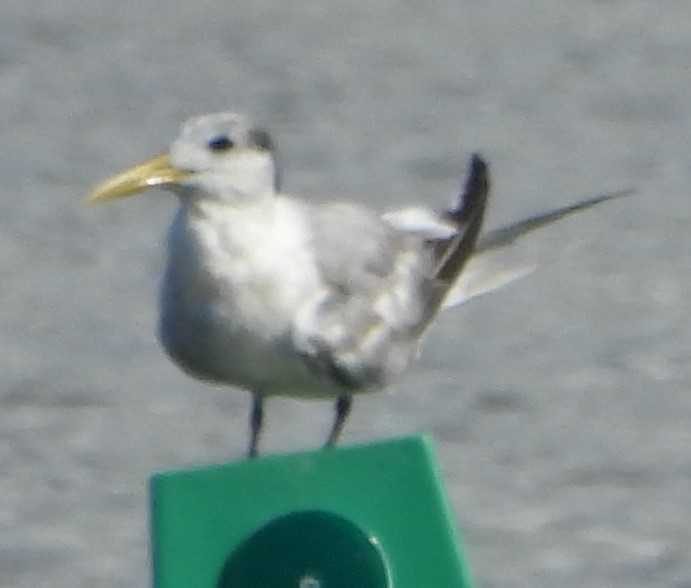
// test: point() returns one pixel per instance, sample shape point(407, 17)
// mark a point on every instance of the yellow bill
point(155, 172)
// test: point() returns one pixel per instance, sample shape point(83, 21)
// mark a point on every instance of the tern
point(266, 292)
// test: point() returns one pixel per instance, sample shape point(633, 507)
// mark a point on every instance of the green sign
point(368, 516)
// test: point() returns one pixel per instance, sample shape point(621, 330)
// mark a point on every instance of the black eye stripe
point(260, 139)
point(220, 143)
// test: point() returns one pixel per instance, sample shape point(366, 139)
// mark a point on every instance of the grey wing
point(360, 328)
point(508, 235)
point(497, 261)
point(382, 286)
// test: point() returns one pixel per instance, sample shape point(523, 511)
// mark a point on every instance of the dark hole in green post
point(307, 549)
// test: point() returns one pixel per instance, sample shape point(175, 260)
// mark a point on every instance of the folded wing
point(383, 283)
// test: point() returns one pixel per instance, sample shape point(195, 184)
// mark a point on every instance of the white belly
point(229, 297)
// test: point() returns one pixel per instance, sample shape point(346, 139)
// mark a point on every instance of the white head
point(230, 157)
point(220, 156)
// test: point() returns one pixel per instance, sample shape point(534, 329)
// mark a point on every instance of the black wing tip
point(468, 217)
point(478, 173)
point(478, 164)
point(475, 188)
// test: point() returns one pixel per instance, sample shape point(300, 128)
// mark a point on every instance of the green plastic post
point(368, 516)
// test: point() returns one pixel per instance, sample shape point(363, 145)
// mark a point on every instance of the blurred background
point(560, 405)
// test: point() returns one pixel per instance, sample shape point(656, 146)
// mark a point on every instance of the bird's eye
point(221, 143)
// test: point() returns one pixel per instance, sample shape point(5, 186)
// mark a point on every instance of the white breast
point(236, 278)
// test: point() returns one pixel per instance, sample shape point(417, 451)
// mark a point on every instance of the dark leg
point(343, 405)
point(256, 420)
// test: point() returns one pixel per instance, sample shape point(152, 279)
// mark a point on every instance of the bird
point(278, 296)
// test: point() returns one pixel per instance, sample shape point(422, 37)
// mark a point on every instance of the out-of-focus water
point(560, 405)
